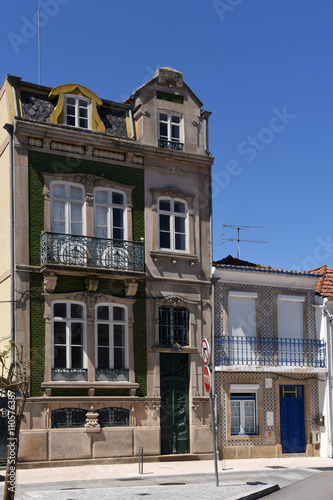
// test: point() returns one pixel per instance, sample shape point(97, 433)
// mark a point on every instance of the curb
point(259, 493)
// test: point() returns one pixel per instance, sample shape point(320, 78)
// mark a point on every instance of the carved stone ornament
point(92, 424)
point(91, 284)
point(131, 287)
point(50, 282)
point(173, 300)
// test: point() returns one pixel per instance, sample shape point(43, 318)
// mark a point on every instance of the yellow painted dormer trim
point(74, 88)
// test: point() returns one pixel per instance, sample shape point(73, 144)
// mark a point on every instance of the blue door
point(292, 418)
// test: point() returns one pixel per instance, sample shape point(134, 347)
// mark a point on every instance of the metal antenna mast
point(38, 44)
point(238, 228)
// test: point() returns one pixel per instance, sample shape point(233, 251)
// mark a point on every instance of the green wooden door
point(174, 404)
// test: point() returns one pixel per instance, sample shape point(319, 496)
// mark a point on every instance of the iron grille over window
point(113, 417)
point(68, 417)
point(173, 325)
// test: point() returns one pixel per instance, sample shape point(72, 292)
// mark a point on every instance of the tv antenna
point(238, 228)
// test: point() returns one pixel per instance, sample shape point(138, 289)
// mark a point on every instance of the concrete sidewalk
point(239, 479)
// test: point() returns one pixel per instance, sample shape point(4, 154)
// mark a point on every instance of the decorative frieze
point(138, 160)
point(33, 141)
point(111, 155)
point(68, 148)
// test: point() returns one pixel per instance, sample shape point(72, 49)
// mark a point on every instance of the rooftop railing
point(87, 251)
point(270, 352)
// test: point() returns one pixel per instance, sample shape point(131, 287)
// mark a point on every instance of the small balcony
point(270, 352)
point(177, 146)
point(84, 251)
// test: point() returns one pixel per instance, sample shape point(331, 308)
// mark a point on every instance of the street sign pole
point(214, 437)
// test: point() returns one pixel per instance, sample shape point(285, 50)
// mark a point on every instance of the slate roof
point(324, 284)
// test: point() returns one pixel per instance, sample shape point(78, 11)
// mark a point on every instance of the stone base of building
point(266, 451)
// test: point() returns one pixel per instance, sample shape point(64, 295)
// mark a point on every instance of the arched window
point(111, 337)
point(113, 417)
point(109, 216)
point(68, 417)
point(67, 203)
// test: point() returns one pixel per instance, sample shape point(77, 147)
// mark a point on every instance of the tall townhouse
point(270, 361)
point(105, 266)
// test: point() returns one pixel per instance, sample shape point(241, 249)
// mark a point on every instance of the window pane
point(165, 240)
point(163, 130)
point(103, 358)
point(175, 132)
point(175, 119)
point(76, 311)
point(118, 234)
point(83, 113)
point(59, 330)
point(103, 334)
point(164, 117)
point(179, 207)
point(119, 359)
point(119, 337)
point(180, 224)
point(118, 313)
point(59, 357)
point(76, 212)
point(235, 416)
point(101, 196)
point(58, 190)
point(101, 214)
point(77, 357)
point(76, 333)
point(76, 193)
point(118, 217)
point(71, 120)
point(83, 104)
point(117, 199)
point(165, 205)
point(83, 123)
point(71, 110)
point(59, 310)
point(180, 242)
point(103, 312)
point(164, 222)
point(70, 100)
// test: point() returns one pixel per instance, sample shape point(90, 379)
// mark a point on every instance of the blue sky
point(264, 68)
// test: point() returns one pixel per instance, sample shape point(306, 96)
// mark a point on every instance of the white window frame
point(296, 300)
point(172, 218)
point(68, 201)
point(111, 322)
point(244, 389)
point(169, 137)
point(110, 207)
point(69, 320)
point(77, 99)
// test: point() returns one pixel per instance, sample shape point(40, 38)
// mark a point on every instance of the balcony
point(84, 251)
point(270, 352)
point(177, 146)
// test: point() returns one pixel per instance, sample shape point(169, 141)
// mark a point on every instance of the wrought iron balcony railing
point(163, 143)
point(87, 251)
point(270, 352)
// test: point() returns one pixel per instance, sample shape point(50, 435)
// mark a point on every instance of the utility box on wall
point(270, 437)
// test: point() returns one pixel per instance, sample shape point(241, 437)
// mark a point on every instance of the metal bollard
point(140, 460)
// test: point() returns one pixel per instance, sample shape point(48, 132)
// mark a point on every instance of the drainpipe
point(329, 319)
point(205, 115)
point(10, 129)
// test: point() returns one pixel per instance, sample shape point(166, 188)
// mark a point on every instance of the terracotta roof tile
point(324, 284)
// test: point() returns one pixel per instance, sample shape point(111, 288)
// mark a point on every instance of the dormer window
point(77, 111)
point(170, 131)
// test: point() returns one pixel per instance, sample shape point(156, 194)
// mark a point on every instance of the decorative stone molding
point(92, 424)
point(50, 281)
point(131, 287)
point(91, 283)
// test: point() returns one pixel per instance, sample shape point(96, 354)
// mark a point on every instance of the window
point(113, 417)
point(68, 322)
point(242, 327)
point(109, 208)
point(77, 111)
point(169, 131)
point(67, 202)
point(68, 417)
point(172, 215)
point(243, 409)
point(173, 326)
point(290, 316)
point(111, 337)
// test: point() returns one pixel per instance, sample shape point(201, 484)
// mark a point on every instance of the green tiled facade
point(41, 163)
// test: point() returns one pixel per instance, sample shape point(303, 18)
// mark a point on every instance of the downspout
point(10, 129)
point(329, 320)
point(205, 115)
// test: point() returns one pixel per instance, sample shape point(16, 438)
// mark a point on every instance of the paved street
point(165, 480)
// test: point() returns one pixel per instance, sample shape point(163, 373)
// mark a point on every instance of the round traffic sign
point(205, 351)
point(206, 376)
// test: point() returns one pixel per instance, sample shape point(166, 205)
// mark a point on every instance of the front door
point(174, 404)
point(292, 418)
